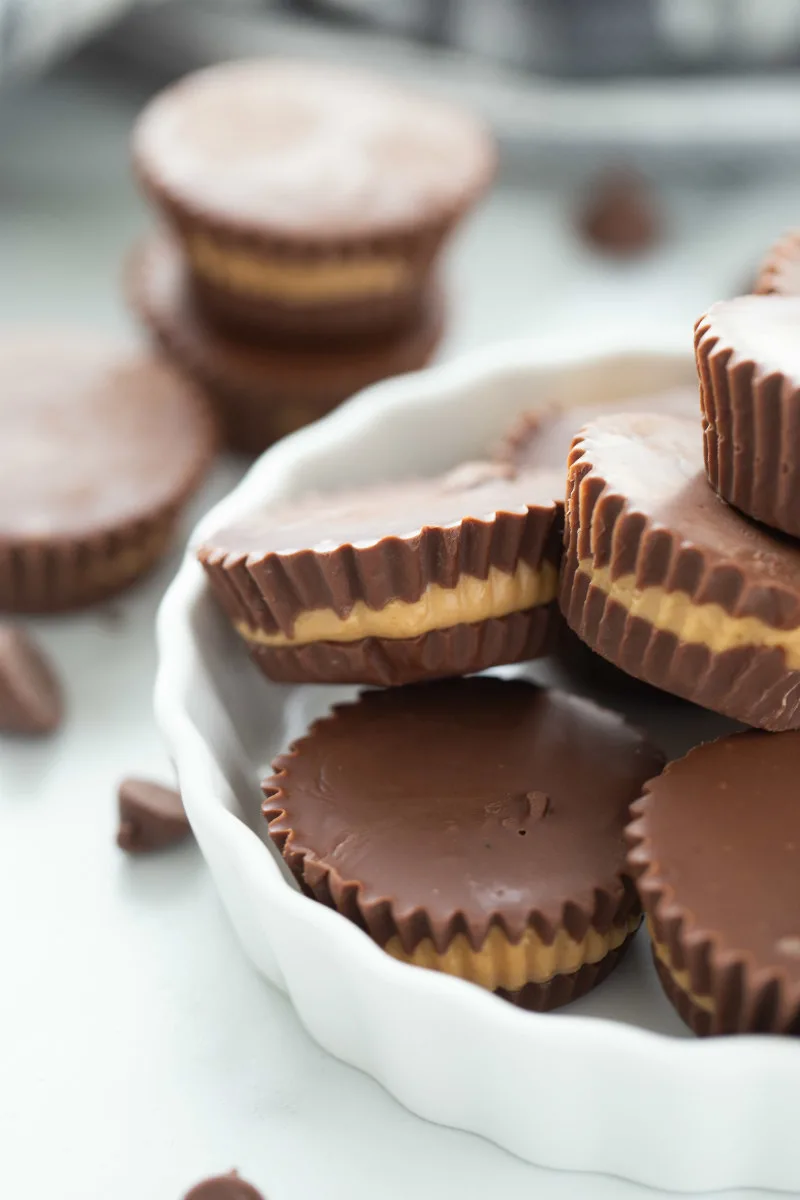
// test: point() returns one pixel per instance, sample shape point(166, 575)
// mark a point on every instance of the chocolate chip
point(224, 1187)
point(30, 693)
point(620, 215)
point(150, 816)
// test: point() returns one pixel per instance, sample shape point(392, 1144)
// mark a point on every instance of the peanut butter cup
point(473, 826)
point(309, 200)
point(669, 583)
point(749, 370)
point(543, 439)
point(780, 270)
point(715, 851)
point(260, 393)
point(101, 450)
point(396, 583)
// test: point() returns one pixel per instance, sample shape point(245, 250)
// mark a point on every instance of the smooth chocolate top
point(780, 271)
point(323, 522)
point(650, 470)
point(477, 801)
point(306, 151)
point(761, 330)
point(721, 828)
point(93, 437)
point(543, 439)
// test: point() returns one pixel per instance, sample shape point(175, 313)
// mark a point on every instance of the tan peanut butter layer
point(680, 978)
point(501, 963)
point(297, 282)
point(700, 624)
point(471, 600)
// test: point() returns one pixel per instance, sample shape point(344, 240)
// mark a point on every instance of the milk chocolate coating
point(31, 701)
point(310, 154)
point(780, 270)
point(749, 368)
point(224, 1187)
point(388, 662)
point(101, 448)
point(381, 544)
point(638, 503)
point(716, 852)
point(542, 440)
point(261, 393)
point(504, 804)
point(150, 816)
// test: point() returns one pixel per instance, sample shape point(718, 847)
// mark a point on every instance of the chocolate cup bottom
point(563, 989)
point(389, 662)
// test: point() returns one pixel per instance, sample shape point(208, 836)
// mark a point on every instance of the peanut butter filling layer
point(680, 978)
point(298, 283)
point(703, 624)
point(500, 963)
point(470, 601)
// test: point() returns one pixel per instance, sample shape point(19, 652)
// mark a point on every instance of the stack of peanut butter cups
point(303, 213)
point(682, 567)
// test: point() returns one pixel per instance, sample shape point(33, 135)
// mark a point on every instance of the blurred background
point(696, 101)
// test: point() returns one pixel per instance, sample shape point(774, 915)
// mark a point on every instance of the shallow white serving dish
point(614, 1084)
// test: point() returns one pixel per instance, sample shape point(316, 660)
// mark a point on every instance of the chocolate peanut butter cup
point(310, 201)
point(396, 583)
point(750, 392)
point(715, 851)
point(473, 826)
point(780, 270)
point(542, 440)
point(101, 450)
point(260, 393)
point(669, 583)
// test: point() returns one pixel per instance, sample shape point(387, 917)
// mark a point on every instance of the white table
point(138, 1049)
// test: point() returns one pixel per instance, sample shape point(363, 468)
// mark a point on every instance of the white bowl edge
point(581, 1094)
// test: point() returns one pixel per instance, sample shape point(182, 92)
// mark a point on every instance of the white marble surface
point(138, 1050)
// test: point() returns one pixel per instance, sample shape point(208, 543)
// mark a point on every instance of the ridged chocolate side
point(382, 922)
point(260, 395)
point(47, 577)
point(271, 591)
point(751, 431)
point(563, 989)
point(780, 271)
point(751, 684)
point(698, 1019)
point(388, 662)
point(744, 1000)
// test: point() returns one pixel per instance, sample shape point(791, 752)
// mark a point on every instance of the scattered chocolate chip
point(30, 693)
point(150, 816)
point(620, 215)
point(224, 1187)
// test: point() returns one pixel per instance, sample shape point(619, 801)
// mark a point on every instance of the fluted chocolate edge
point(743, 1000)
point(751, 428)
point(56, 576)
point(785, 252)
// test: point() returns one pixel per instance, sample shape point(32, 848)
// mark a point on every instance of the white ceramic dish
point(613, 1084)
